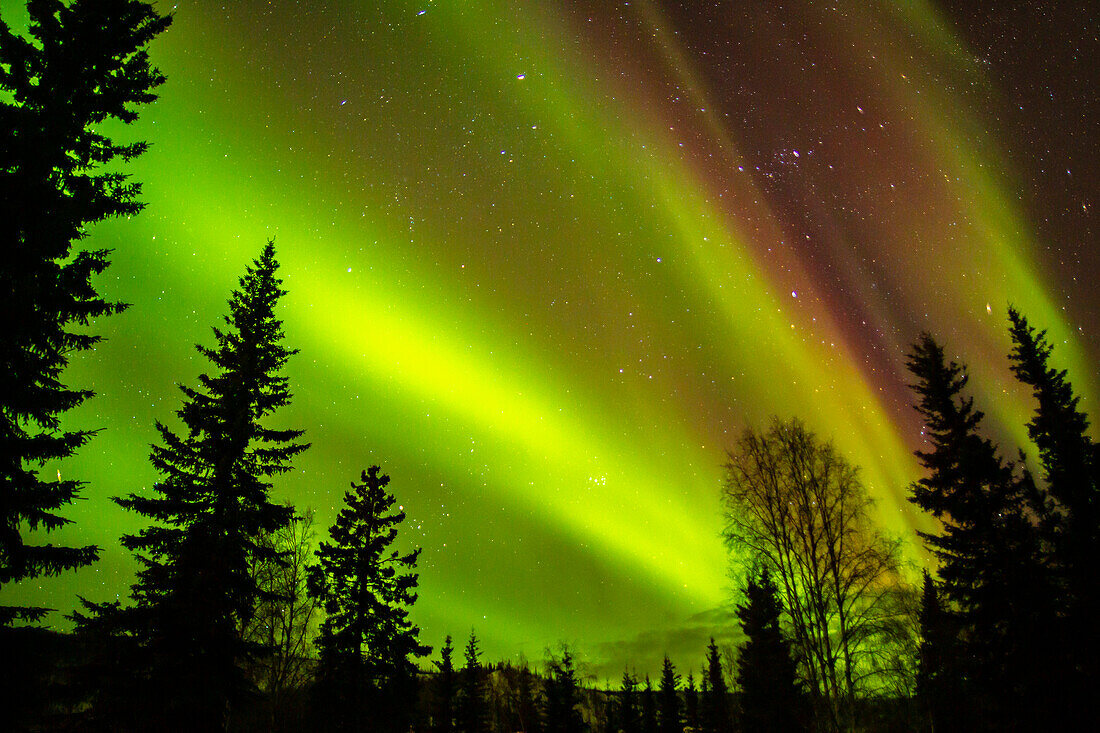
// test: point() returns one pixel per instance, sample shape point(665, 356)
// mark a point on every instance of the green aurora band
point(534, 275)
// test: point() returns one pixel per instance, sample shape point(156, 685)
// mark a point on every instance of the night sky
point(546, 260)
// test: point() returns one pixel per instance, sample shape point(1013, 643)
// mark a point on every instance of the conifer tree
point(472, 713)
point(716, 705)
point(561, 713)
point(766, 676)
point(669, 717)
point(84, 63)
point(445, 687)
point(527, 709)
point(1060, 431)
point(704, 700)
point(1070, 463)
point(691, 703)
point(628, 714)
point(990, 551)
point(649, 708)
point(195, 594)
point(366, 674)
point(938, 681)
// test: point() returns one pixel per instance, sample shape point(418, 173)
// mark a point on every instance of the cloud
point(685, 644)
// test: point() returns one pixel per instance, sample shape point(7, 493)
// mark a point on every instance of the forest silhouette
point(239, 619)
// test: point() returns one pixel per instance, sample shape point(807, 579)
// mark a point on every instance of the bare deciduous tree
point(286, 616)
point(796, 506)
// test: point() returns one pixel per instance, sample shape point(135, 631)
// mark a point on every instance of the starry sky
point(546, 260)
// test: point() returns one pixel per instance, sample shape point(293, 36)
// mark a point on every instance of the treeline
point(999, 638)
point(238, 619)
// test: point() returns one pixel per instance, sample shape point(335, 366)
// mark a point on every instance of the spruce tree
point(83, 64)
point(990, 550)
point(691, 703)
point(649, 708)
point(195, 594)
point(366, 673)
point(1070, 463)
point(669, 717)
point(561, 713)
point(526, 707)
point(1060, 431)
point(472, 713)
point(716, 704)
point(704, 700)
point(445, 687)
point(770, 695)
point(938, 680)
point(627, 710)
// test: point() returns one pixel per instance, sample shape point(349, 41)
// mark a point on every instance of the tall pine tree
point(445, 688)
point(649, 708)
point(1070, 463)
point(669, 716)
point(691, 703)
point(561, 713)
point(472, 713)
point(770, 695)
point(83, 64)
point(989, 549)
point(195, 594)
point(938, 678)
point(627, 713)
point(526, 708)
point(716, 703)
point(366, 673)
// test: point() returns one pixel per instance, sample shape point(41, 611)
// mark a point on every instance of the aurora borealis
point(545, 260)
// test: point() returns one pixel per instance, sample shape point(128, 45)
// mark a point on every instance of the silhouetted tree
point(445, 687)
point(794, 504)
point(691, 703)
point(1071, 472)
point(669, 718)
point(649, 708)
point(704, 700)
point(561, 713)
point(195, 593)
point(83, 64)
point(938, 679)
point(627, 713)
point(366, 675)
point(990, 552)
point(472, 717)
point(286, 616)
point(716, 702)
point(526, 707)
point(770, 695)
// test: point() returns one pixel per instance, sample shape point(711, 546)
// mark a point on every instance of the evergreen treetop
point(217, 472)
point(990, 550)
point(367, 644)
point(1070, 463)
point(1058, 428)
point(445, 685)
point(561, 713)
point(770, 694)
point(628, 714)
point(195, 592)
point(649, 708)
point(670, 719)
point(472, 715)
point(716, 706)
point(938, 680)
